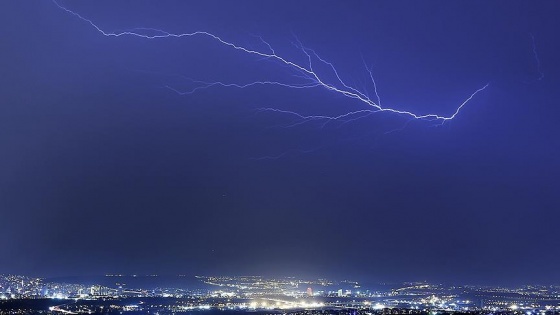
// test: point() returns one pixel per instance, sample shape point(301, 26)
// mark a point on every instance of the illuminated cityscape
point(280, 157)
point(124, 294)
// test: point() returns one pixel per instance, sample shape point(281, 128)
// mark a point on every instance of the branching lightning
point(307, 73)
point(536, 55)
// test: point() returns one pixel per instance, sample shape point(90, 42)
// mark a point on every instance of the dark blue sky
point(103, 169)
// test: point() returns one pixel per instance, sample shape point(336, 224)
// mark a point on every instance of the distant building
point(309, 292)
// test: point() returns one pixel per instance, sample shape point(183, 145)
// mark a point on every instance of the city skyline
point(145, 294)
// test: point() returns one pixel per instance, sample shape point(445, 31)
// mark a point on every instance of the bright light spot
point(378, 306)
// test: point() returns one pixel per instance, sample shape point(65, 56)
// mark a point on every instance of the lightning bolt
point(307, 73)
point(536, 55)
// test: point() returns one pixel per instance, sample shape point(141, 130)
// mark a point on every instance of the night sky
point(103, 169)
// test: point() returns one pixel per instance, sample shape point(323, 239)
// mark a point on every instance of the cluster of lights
point(284, 305)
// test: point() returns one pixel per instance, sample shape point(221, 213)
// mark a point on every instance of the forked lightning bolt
point(536, 55)
point(310, 77)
